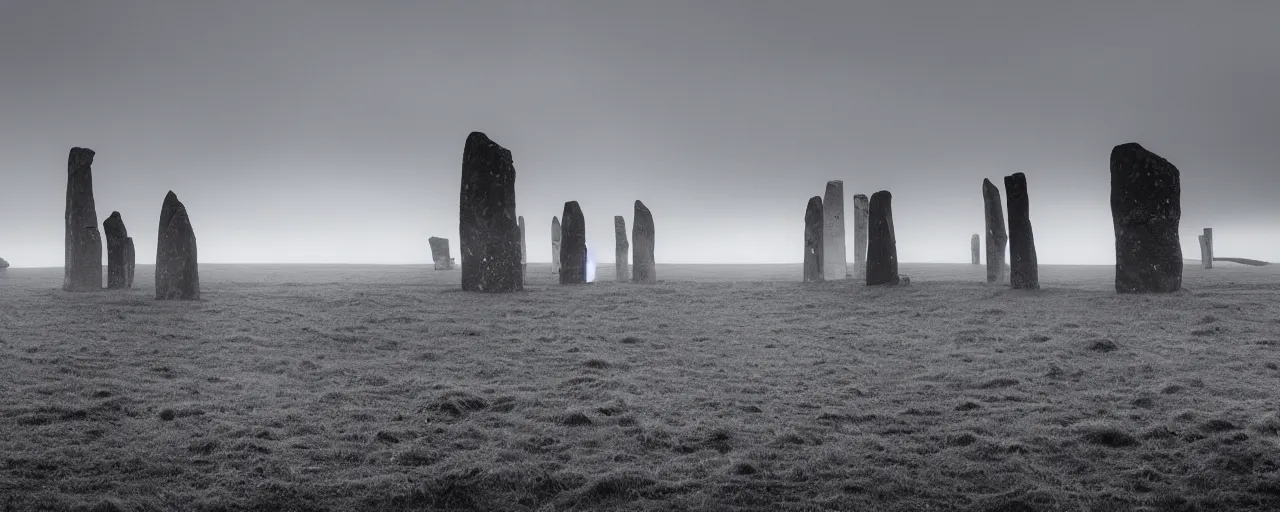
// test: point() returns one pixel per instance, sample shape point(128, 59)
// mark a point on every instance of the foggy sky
point(326, 131)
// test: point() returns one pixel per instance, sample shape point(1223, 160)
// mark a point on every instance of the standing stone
point(814, 221)
point(177, 271)
point(117, 257)
point(3, 264)
point(833, 248)
point(1146, 208)
point(440, 253)
point(861, 210)
point(130, 260)
point(82, 267)
point(1208, 248)
point(524, 249)
point(555, 245)
point(975, 250)
point(644, 269)
point(997, 237)
point(1024, 271)
point(573, 245)
point(489, 232)
point(622, 250)
point(882, 245)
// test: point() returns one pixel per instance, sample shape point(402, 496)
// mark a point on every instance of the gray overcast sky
point(327, 131)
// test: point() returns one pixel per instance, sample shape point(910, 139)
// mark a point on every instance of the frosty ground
point(721, 388)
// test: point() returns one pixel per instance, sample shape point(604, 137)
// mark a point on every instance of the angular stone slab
point(1146, 209)
point(1208, 247)
point(861, 212)
point(82, 268)
point(130, 262)
point(524, 249)
point(997, 237)
point(177, 270)
point(1024, 269)
point(117, 257)
point(644, 269)
point(555, 245)
point(440, 253)
point(833, 247)
point(882, 244)
point(622, 249)
point(3, 263)
point(975, 250)
point(573, 245)
point(487, 227)
point(814, 230)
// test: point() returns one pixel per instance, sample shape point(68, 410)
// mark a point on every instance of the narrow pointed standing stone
point(130, 260)
point(975, 250)
point(814, 220)
point(440, 253)
point(488, 229)
point(524, 249)
point(882, 245)
point(644, 269)
point(177, 270)
point(1208, 247)
point(1024, 271)
point(82, 268)
point(1146, 208)
point(117, 257)
point(555, 245)
point(833, 247)
point(573, 245)
point(861, 211)
point(997, 237)
point(622, 250)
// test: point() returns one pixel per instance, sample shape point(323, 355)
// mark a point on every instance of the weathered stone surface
point(130, 262)
point(177, 269)
point(882, 244)
point(488, 230)
point(573, 245)
point(440, 253)
point(861, 212)
point(622, 250)
point(555, 245)
point(644, 269)
point(833, 247)
point(1207, 257)
point(975, 249)
point(524, 248)
point(814, 220)
point(82, 269)
point(117, 264)
point(997, 237)
point(1024, 271)
point(1146, 208)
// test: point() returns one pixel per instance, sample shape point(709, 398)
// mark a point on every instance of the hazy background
point(325, 131)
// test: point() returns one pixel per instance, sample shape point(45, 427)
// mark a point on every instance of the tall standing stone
point(622, 249)
point(117, 257)
point(555, 245)
point(130, 261)
point(833, 248)
point(573, 245)
point(1024, 271)
point(861, 210)
point(814, 221)
point(1208, 248)
point(997, 237)
point(82, 267)
point(177, 270)
point(440, 253)
point(524, 249)
point(644, 269)
point(1146, 208)
point(975, 250)
point(882, 245)
point(489, 233)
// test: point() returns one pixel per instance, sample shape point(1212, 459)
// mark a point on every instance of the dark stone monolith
point(861, 210)
point(997, 237)
point(440, 253)
point(622, 250)
point(3, 263)
point(1207, 257)
point(487, 226)
point(177, 270)
point(1024, 271)
point(555, 245)
point(1146, 208)
point(130, 262)
point(814, 220)
point(573, 245)
point(644, 269)
point(882, 245)
point(833, 247)
point(975, 250)
point(117, 264)
point(524, 249)
point(82, 268)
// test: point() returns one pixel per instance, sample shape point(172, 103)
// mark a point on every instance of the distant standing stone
point(1207, 258)
point(975, 250)
point(622, 250)
point(555, 245)
point(524, 249)
point(1146, 208)
point(573, 245)
point(130, 260)
point(833, 247)
point(1024, 271)
point(814, 220)
point(177, 270)
point(997, 237)
point(440, 253)
point(861, 211)
point(489, 232)
point(82, 269)
point(644, 269)
point(117, 257)
point(3, 263)
point(882, 246)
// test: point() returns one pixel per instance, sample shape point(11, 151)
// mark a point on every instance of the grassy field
point(721, 388)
